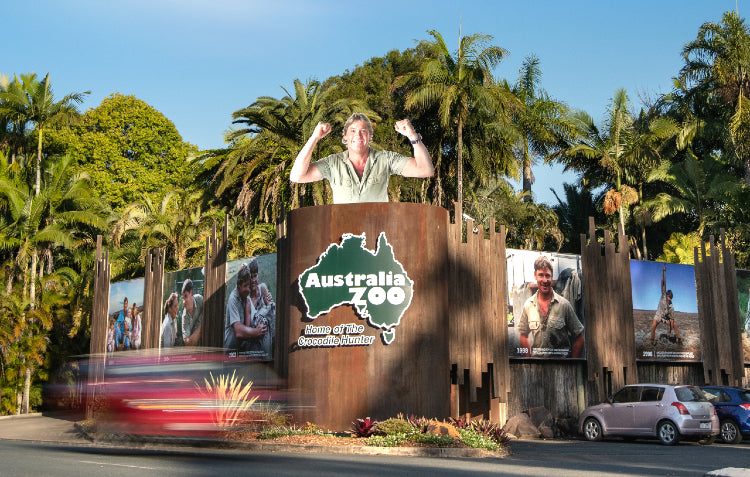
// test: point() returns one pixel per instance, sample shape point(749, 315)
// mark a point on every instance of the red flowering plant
point(364, 427)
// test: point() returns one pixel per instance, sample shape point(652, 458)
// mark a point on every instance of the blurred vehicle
point(666, 412)
point(183, 392)
point(733, 408)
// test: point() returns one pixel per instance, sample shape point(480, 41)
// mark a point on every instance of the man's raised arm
point(663, 279)
point(421, 164)
point(301, 170)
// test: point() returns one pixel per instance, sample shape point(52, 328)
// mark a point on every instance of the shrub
point(434, 439)
point(393, 425)
point(230, 398)
point(474, 439)
point(419, 423)
point(390, 440)
point(490, 430)
point(266, 415)
point(309, 429)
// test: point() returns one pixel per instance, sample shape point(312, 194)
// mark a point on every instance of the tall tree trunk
point(461, 162)
point(26, 390)
point(39, 162)
point(11, 277)
point(32, 277)
point(438, 197)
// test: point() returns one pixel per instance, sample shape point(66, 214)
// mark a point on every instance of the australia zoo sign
point(373, 282)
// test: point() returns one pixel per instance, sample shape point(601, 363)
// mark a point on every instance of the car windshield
point(745, 395)
point(689, 394)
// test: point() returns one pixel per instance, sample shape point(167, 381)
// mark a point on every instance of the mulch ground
point(317, 440)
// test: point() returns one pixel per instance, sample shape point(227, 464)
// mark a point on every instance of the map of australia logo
point(374, 283)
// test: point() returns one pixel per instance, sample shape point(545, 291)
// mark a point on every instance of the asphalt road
point(530, 458)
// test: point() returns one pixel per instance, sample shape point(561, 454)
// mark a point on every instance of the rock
point(540, 416)
point(566, 427)
point(442, 429)
point(546, 431)
point(520, 425)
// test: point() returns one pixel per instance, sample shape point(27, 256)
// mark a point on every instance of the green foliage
point(459, 84)
point(393, 426)
point(308, 429)
point(419, 424)
point(433, 439)
point(680, 248)
point(129, 149)
point(389, 440)
point(477, 440)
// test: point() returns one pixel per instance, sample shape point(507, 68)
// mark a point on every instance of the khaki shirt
point(346, 184)
point(190, 322)
point(553, 334)
point(665, 311)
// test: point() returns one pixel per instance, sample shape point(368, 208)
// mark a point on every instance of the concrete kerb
point(271, 447)
point(46, 429)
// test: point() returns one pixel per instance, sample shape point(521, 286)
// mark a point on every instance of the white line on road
point(117, 465)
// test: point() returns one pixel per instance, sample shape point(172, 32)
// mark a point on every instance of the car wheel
point(592, 430)
point(667, 433)
point(729, 432)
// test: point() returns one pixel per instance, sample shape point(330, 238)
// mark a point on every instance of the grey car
point(666, 412)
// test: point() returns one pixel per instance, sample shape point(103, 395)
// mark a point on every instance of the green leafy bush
point(390, 440)
point(434, 439)
point(419, 423)
point(476, 440)
point(393, 426)
point(309, 429)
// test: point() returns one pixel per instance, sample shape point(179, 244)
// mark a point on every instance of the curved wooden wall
point(410, 375)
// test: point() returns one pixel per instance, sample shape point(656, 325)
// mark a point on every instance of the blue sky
point(198, 61)
point(645, 279)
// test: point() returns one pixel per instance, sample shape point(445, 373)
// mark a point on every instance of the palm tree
point(696, 185)
point(573, 214)
point(459, 83)
point(619, 157)
point(717, 72)
point(178, 223)
point(680, 248)
point(249, 239)
point(540, 125)
point(37, 224)
point(27, 100)
point(528, 225)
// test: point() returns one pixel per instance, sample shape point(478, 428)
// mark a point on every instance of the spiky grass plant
point(230, 398)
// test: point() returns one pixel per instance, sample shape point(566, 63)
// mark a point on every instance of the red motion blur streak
point(165, 393)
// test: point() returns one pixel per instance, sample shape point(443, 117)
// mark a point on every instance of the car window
point(627, 394)
point(651, 394)
point(745, 395)
point(689, 394)
point(725, 397)
point(712, 394)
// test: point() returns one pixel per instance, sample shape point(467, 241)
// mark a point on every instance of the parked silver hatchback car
point(666, 412)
